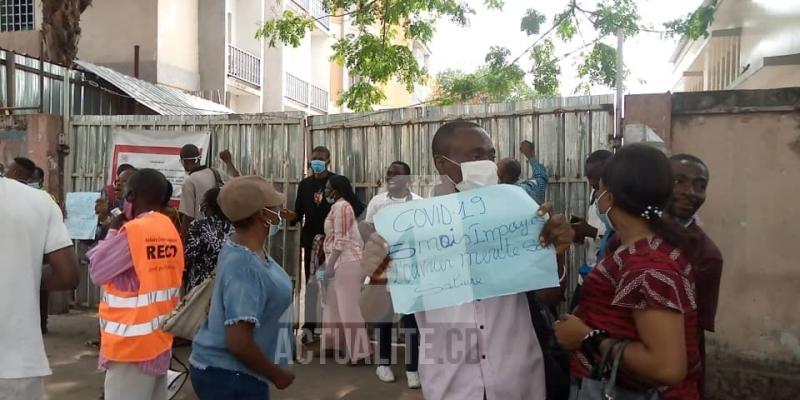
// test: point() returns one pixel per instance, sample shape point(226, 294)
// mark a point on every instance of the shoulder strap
point(618, 349)
point(217, 178)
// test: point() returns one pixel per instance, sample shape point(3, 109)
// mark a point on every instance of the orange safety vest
point(129, 321)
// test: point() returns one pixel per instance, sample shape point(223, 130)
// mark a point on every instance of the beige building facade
point(753, 44)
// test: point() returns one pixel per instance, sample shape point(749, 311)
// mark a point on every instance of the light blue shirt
point(247, 288)
point(537, 185)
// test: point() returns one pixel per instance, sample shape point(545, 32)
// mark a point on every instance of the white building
point(207, 47)
point(754, 44)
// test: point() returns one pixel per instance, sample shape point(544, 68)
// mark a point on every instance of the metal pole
point(41, 76)
point(620, 87)
point(11, 79)
point(136, 61)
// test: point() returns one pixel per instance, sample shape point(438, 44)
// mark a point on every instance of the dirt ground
point(75, 375)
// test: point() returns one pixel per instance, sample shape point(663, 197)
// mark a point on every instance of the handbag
point(556, 359)
point(192, 312)
point(602, 382)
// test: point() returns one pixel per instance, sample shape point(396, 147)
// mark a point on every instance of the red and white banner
point(159, 150)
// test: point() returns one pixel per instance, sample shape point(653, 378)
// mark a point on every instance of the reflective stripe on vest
point(144, 299)
point(126, 330)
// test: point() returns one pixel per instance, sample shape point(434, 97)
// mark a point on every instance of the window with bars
point(16, 15)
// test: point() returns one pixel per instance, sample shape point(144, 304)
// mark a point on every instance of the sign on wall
point(159, 150)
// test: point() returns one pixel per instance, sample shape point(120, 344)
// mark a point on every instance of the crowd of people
point(649, 284)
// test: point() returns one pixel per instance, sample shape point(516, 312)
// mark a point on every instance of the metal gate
point(268, 145)
point(564, 130)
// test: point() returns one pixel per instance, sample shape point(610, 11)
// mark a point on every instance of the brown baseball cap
point(242, 197)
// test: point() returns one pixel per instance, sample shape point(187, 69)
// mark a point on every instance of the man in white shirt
point(485, 349)
point(398, 180)
point(32, 232)
point(200, 180)
point(590, 231)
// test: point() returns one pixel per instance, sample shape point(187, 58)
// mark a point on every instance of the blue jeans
point(215, 383)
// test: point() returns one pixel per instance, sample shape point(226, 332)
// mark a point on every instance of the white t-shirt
point(31, 225)
point(194, 189)
point(592, 244)
point(382, 200)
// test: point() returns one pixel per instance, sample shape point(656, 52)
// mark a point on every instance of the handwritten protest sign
point(454, 249)
point(81, 219)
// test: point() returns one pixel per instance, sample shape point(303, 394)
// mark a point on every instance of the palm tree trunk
point(61, 29)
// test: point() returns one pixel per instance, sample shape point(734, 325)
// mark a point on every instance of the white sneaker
point(413, 380)
point(385, 373)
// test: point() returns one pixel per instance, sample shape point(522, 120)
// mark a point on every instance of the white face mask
point(475, 174)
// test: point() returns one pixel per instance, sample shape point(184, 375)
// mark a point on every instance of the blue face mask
point(275, 228)
point(604, 215)
point(330, 200)
point(318, 166)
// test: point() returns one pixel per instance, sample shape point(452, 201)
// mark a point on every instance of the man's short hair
point(190, 151)
point(26, 163)
point(446, 132)
point(150, 184)
point(406, 167)
point(599, 156)
point(689, 158)
point(322, 149)
point(124, 167)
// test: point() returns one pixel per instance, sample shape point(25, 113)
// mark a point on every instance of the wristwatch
point(591, 342)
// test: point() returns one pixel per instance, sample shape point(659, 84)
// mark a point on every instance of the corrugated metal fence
point(269, 145)
point(86, 95)
point(564, 131)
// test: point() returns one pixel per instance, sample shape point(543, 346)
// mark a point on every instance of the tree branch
point(544, 35)
point(364, 7)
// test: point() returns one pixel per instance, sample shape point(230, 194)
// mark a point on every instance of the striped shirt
point(648, 274)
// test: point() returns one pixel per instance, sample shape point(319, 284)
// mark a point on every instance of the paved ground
point(75, 376)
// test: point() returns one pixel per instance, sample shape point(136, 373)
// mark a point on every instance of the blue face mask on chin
point(318, 166)
point(275, 228)
point(604, 215)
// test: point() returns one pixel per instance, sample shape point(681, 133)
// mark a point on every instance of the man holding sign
point(466, 284)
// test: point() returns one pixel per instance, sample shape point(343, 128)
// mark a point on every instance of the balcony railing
point(306, 93)
point(244, 66)
point(319, 99)
point(316, 10)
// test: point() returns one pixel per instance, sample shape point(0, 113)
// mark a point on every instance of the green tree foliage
point(597, 66)
point(695, 24)
point(498, 80)
point(377, 52)
point(600, 66)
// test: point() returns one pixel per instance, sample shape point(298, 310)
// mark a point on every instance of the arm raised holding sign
point(375, 301)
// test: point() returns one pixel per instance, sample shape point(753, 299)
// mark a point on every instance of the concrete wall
point(178, 58)
point(23, 42)
point(110, 29)
point(273, 80)
point(751, 213)
point(211, 43)
point(651, 110)
point(34, 136)
point(247, 19)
